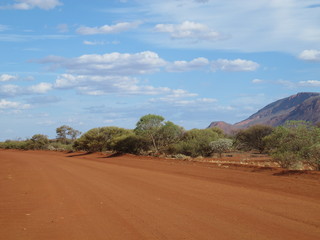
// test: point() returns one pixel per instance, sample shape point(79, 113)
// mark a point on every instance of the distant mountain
point(302, 106)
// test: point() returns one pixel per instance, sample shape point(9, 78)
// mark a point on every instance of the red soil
point(51, 195)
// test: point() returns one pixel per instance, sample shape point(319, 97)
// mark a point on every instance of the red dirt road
point(50, 195)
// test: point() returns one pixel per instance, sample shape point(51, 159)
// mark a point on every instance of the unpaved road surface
point(49, 195)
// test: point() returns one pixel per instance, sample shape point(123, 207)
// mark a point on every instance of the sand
point(52, 195)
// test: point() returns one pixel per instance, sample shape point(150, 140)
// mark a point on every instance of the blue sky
point(99, 63)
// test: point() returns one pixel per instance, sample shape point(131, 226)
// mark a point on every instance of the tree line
point(292, 145)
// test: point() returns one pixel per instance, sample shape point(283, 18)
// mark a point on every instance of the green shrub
point(288, 160)
point(131, 144)
point(314, 156)
point(292, 143)
point(194, 143)
point(99, 139)
point(9, 144)
point(221, 145)
point(38, 142)
point(252, 138)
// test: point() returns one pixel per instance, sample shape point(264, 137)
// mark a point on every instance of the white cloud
point(108, 29)
point(310, 83)
point(25, 38)
point(310, 55)
point(30, 4)
point(93, 43)
point(63, 28)
point(180, 93)
point(40, 88)
point(257, 81)
point(182, 66)
point(264, 25)
point(119, 64)
point(237, 65)
point(102, 85)
point(189, 30)
point(7, 77)
point(4, 104)
point(11, 90)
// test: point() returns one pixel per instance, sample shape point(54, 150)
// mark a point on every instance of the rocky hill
point(302, 106)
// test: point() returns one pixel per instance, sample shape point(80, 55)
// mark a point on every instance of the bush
point(293, 142)
point(221, 146)
point(288, 160)
point(131, 144)
point(194, 143)
point(9, 144)
point(38, 142)
point(252, 138)
point(58, 146)
point(99, 139)
point(314, 156)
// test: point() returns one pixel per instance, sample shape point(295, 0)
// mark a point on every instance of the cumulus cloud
point(253, 26)
point(109, 64)
point(40, 88)
point(108, 29)
point(7, 78)
point(237, 65)
point(10, 90)
point(30, 4)
point(182, 66)
point(4, 104)
point(310, 83)
point(102, 85)
point(310, 55)
point(189, 30)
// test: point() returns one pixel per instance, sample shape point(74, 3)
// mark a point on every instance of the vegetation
point(149, 126)
point(194, 143)
point(221, 145)
point(100, 139)
point(293, 145)
point(252, 138)
point(64, 131)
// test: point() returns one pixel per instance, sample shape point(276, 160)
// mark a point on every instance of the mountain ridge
point(301, 106)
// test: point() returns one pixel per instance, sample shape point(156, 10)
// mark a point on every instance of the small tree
point(38, 142)
point(149, 126)
point(64, 131)
point(168, 134)
point(252, 138)
point(290, 144)
point(221, 145)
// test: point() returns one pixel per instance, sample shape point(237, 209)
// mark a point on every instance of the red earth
point(54, 195)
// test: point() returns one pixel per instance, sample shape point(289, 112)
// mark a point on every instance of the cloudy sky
point(99, 63)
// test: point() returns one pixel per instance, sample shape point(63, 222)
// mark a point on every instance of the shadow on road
point(80, 154)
